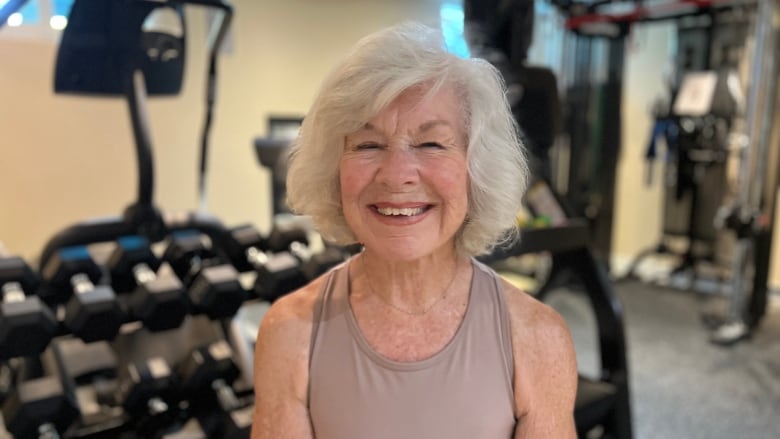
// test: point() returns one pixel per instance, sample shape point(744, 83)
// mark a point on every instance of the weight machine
point(749, 214)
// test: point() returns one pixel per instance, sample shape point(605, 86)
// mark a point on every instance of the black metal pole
point(136, 100)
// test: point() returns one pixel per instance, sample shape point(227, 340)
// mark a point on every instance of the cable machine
point(748, 215)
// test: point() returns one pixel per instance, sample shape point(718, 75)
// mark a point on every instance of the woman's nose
point(398, 167)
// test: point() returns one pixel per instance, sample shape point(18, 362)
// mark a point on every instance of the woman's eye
point(366, 145)
point(430, 145)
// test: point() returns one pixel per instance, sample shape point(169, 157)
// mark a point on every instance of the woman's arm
point(281, 368)
point(545, 369)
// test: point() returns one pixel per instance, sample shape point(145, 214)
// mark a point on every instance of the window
point(27, 15)
point(37, 19)
point(59, 13)
point(451, 15)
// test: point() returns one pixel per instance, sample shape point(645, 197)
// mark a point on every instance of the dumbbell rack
point(604, 402)
point(85, 378)
point(126, 75)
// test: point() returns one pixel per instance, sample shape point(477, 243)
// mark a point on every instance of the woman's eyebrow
point(433, 123)
point(425, 126)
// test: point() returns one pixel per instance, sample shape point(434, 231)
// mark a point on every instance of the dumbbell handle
point(48, 431)
point(143, 273)
point(300, 250)
point(157, 406)
point(13, 292)
point(256, 257)
point(81, 283)
point(196, 264)
point(225, 394)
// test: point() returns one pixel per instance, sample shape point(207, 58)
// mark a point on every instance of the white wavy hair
point(377, 70)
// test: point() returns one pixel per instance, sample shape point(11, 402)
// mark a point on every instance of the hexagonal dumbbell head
point(36, 403)
point(15, 269)
point(243, 238)
point(62, 266)
point(143, 380)
point(160, 303)
point(27, 326)
point(285, 233)
point(158, 299)
point(128, 253)
point(185, 252)
point(279, 274)
point(217, 292)
point(207, 364)
point(94, 314)
point(320, 263)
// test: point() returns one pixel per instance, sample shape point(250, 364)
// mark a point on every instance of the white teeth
point(405, 211)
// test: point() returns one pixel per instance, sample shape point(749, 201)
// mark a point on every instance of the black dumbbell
point(214, 288)
point(207, 366)
point(293, 236)
point(147, 393)
point(158, 297)
point(233, 424)
point(284, 233)
point(206, 377)
point(39, 408)
point(278, 273)
point(84, 364)
point(315, 264)
point(92, 312)
point(91, 369)
point(190, 430)
point(27, 325)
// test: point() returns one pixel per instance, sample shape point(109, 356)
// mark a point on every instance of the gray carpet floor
point(682, 385)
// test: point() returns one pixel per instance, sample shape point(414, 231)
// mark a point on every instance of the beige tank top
point(463, 391)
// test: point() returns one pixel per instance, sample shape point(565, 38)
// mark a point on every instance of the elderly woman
point(413, 153)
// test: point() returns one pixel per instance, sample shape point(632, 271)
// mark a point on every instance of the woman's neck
point(411, 287)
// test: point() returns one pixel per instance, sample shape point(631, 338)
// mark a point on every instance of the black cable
point(204, 145)
point(211, 89)
point(136, 100)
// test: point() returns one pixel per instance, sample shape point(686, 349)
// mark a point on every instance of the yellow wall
point(67, 158)
point(638, 207)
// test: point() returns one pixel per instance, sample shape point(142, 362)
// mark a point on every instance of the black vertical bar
point(611, 334)
point(604, 178)
point(136, 100)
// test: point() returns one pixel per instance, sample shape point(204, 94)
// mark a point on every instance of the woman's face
point(404, 184)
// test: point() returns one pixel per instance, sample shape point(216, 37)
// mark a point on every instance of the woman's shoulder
point(293, 312)
point(545, 362)
point(282, 348)
point(532, 320)
point(289, 320)
point(281, 362)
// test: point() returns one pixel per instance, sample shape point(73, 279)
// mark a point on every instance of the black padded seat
point(603, 402)
point(595, 400)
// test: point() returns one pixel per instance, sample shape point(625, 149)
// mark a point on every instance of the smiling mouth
point(403, 211)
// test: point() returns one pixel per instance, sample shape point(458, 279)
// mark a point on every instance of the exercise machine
point(501, 33)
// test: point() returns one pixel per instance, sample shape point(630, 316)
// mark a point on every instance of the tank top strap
point(331, 300)
point(328, 303)
point(488, 280)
